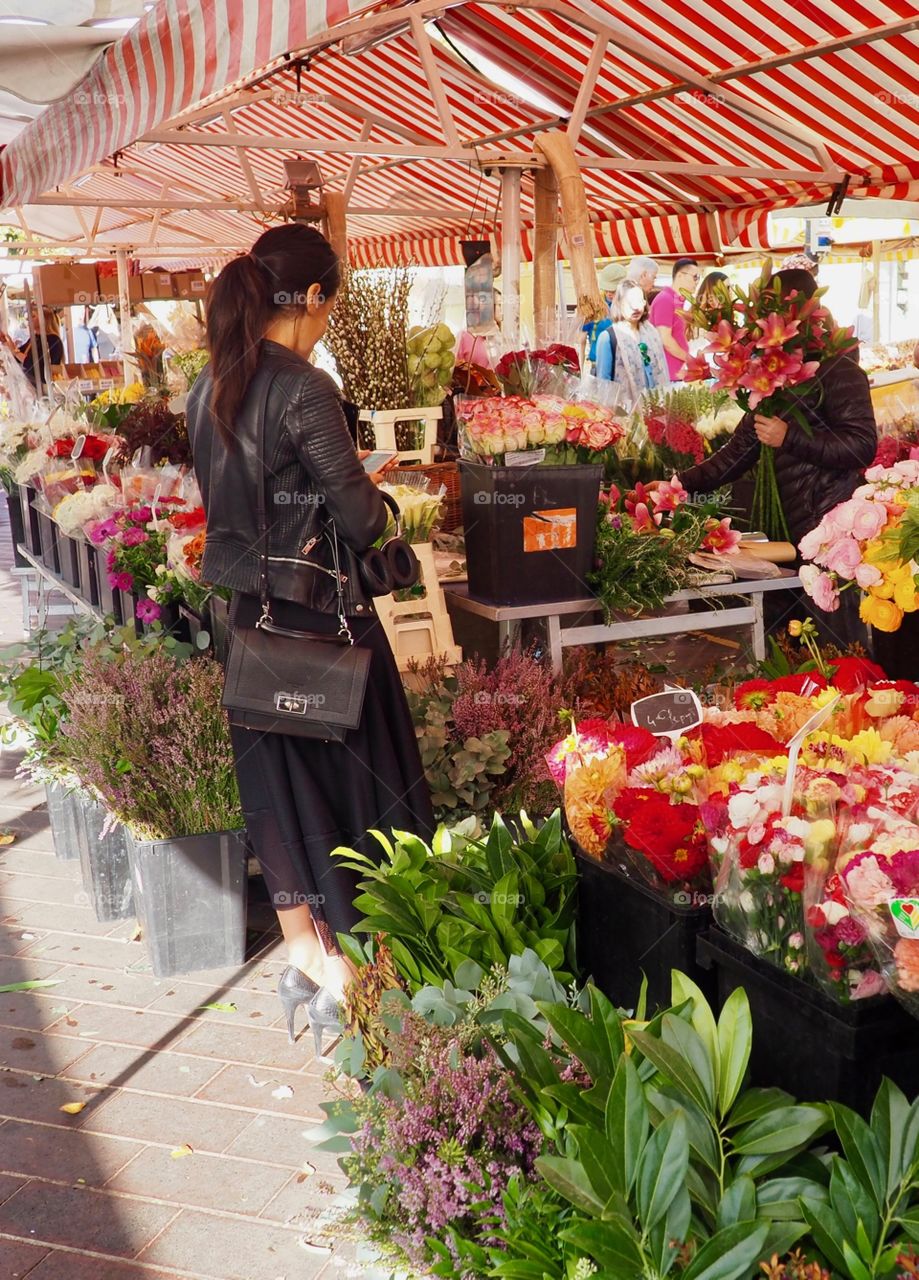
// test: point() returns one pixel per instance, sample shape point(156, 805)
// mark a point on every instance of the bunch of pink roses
point(494, 425)
point(868, 542)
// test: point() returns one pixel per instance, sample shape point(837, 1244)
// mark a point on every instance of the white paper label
point(794, 747)
point(524, 457)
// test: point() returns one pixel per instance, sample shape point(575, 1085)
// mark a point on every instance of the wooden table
point(750, 613)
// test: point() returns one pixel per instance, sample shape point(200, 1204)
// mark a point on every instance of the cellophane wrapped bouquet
point(544, 410)
point(629, 801)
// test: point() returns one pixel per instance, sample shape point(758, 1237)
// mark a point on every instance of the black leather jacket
point(816, 471)
point(313, 477)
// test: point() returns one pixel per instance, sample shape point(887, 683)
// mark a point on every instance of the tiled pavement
point(101, 1195)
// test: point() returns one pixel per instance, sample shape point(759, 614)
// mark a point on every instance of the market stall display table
point(46, 583)
point(750, 613)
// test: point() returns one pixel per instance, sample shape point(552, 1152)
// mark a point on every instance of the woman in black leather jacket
point(301, 797)
point(814, 471)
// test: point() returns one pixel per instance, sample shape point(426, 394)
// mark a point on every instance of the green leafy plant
point(462, 773)
point(670, 1163)
point(873, 1204)
point(480, 900)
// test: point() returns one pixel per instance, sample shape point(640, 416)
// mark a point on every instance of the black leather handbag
point(278, 680)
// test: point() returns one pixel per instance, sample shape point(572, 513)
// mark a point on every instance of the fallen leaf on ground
point(31, 985)
point(282, 1091)
point(184, 1150)
point(27, 937)
point(137, 934)
point(220, 1006)
point(257, 1084)
point(311, 1246)
point(7, 837)
point(72, 1108)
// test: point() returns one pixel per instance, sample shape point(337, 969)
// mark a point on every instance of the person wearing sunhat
point(609, 280)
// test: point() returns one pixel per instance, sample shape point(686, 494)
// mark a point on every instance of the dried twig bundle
point(367, 336)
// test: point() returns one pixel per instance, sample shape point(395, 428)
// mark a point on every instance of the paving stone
point(117, 1024)
point(27, 861)
point(305, 1198)
point(105, 986)
point(63, 1155)
point(62, 1265)
point(25, 1098)
point(283, 1141)
point(228, 1249)
point(17, 1260)
point(33, 1009)
point(204, 1126)
point(201, 1180)
point(9, 1185)
point(29, 1050)
point(234, 1086)
point(39, 840)
point(178, 1074)
point(251, 1007)
point(12, 941)
point(72, 922)
point(78, 948)
point(83, 1219)
point(266, 1047)
point(41, 889)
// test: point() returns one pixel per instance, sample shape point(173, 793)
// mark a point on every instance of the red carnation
point(793, 880)
point(806, 682)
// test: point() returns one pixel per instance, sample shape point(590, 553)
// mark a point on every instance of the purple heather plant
point(149, 734)
point(444, 1152)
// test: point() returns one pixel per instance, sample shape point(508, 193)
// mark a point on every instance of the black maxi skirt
point(304, 797)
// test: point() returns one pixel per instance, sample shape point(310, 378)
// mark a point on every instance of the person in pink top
point(668, 314)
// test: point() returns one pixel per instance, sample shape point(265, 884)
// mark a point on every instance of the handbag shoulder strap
point(265, 620)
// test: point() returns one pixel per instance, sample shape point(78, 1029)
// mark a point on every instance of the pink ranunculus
point(820, 587)
point(864, 520)
point(843, 558)
point(813, 543)
point(867, 575)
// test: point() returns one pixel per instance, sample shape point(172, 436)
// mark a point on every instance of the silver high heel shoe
point(325, 1014)
point(294, 989)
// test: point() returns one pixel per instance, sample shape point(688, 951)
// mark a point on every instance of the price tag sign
point(794, 747)
point(668, 714)
point(78, 447)
point(905, 912)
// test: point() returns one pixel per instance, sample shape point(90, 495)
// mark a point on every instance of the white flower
point(796, 941)
point(742, 809)
point(746, 902)
point(32, 465)
point(766, 864)
point(834, 912)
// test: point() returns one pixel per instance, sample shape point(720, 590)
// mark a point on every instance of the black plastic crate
point(68, 559)
point(804, 1041)
point(626, 929)
point(48, 538)
point(17, 526)
point(517, 522)
point(29, 519)
point(89, 578)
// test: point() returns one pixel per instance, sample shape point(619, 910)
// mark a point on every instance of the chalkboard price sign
point(668, 714)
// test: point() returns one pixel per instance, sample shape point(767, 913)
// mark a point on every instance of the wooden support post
point(545, 256)
point(335, 225)
point(510, 255)
point(559, 152)
point(876, 292)
point(128, 368)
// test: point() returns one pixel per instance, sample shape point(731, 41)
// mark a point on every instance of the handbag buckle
point(293, 703)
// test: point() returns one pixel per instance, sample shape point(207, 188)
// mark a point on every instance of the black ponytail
point(274, 276)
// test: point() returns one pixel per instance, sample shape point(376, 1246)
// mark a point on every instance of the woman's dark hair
point(796, 280)
point(272, 278)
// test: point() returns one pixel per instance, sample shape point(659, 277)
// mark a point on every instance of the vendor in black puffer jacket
point(814, 472)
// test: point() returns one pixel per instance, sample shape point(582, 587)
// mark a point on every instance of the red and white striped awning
point(700, 119)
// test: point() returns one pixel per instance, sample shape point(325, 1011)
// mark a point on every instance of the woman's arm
point(320, 435)
point(732, 461)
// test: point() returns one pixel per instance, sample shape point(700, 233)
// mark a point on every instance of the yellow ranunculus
point(905, 594)
point(877, 553)
point(883, 590)
point(881, 614)
point(899, 573)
